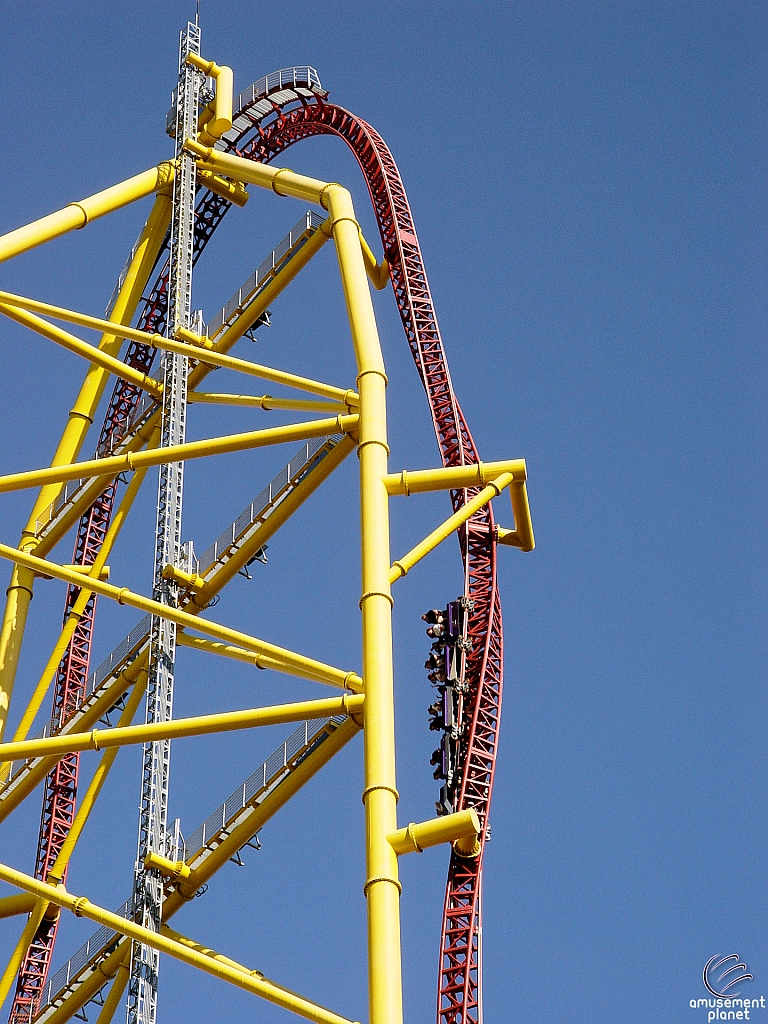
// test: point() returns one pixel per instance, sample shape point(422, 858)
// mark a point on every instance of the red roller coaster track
point(264, 137)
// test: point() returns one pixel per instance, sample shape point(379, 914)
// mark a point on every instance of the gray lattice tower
point(153, 815)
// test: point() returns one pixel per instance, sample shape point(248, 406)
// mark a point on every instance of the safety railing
point(266, 270)
point(304, 461)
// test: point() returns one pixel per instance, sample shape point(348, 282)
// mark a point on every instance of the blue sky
point(587, 184)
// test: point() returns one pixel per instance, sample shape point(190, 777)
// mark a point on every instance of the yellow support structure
point(461, 829)
point(187, 952)
point(78, 214)
point(295, 664)
point(203, 725)
point(113, 465)
point(19, 593)
point(359, 415)
point(404, 564)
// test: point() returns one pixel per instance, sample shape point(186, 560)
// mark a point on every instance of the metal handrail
point(303, 462)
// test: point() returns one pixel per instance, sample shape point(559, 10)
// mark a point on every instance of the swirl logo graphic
point(733, 971)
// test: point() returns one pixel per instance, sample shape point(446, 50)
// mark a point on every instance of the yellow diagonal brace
point(21, 947)
point(477, 475)
point(78, 214)
point(404, 564)
point(252, 981)
point(207, 356)
point(197, 643)
point(116, 464)
point(115, 996)
point(81, 348)
point(10, 906)
point(77, 609)
point(294, 664)
point(202, 725)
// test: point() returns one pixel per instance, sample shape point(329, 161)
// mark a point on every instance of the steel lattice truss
point(277, 112)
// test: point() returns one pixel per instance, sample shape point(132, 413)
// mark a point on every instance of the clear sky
point(587, 182)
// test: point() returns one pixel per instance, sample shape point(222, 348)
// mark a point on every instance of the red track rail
point(266, 136)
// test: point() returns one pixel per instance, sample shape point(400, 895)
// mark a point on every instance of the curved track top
point(291, 106)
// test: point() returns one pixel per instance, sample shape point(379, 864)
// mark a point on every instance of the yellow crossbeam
point(77, 215)
point(251, 981)
point(481, 474)
point(202, 725)
point(207, 356)
point(294, 664)
point(403, 565)
point(82, 348)
point(266, 402)
point(116, 464)
point(478, 474)
point(462, 829)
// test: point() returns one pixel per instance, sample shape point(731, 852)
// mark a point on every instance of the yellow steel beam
point(280, 180)
point(462, 829)
point(380, 794)
point(266, 402)
point(81, 348)
point(378, 273)
point(197, 643)
point(10, 906)
point(77, 999)
point(251, 981)
point(77, 215)
point(116, 464)
point(113, 1000)
point(233, 191)
point(406, 562)
point(478, 474)
point(221, 121)
point(19, 593)
point(76, 613)
point(201, 725)
point(293, 664)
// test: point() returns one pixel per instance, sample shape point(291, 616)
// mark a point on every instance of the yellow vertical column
point(380, 794)
point(19, 593)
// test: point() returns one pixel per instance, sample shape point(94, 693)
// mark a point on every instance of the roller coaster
point(223, 145)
